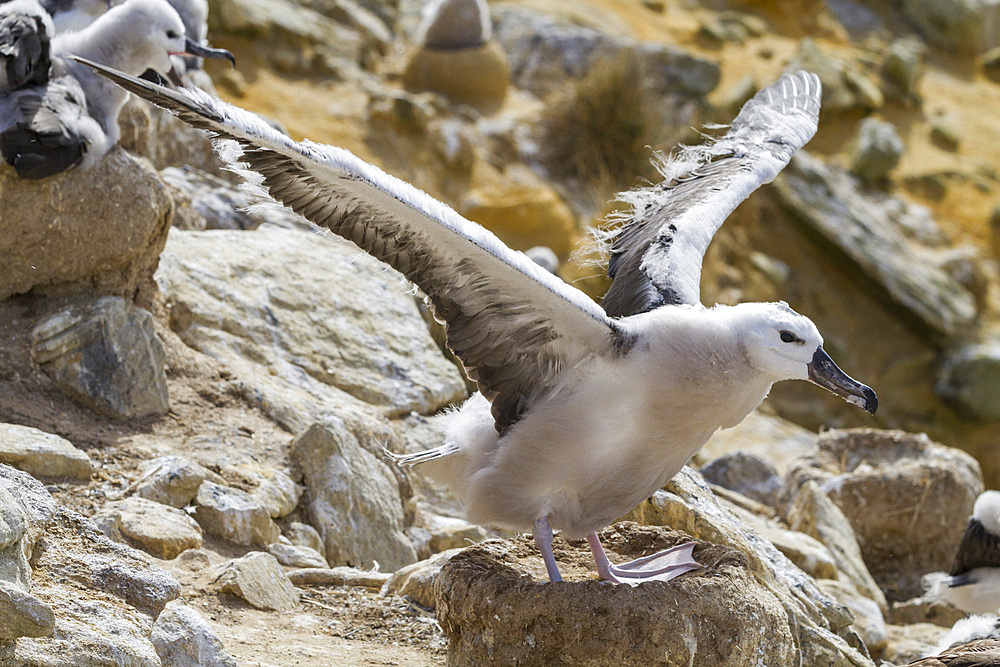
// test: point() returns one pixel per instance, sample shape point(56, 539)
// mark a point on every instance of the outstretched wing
point(515, 326)
point(656, 255)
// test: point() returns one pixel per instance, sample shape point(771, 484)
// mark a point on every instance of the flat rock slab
point(42, 454)
point(234, 515)
point(496, 606)
point(159, 530)
point(22, 614)
point(171, 480)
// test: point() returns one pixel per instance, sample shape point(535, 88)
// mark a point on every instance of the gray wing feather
point(514, 326)
point(656, 254)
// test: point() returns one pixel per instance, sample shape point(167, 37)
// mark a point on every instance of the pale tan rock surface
point(157, 529)
point(42, 454)
point(234, 515)
point(259, 579)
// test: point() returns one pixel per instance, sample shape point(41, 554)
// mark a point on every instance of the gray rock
point(93, 631)
point(159, 530)
point(323, 328)
point(747, 474)
point(776, 440)
point(215, 203)
point(293, 38)
point(445, 532)
point(821, 624)
point(339, 576)
point(904, 67)
point(970, 381)
point(967, 26)
point(184, 639)
point(544, 257)
point(171, 480)
point(106, 356)
point(75, 550)
point(354, 498)
point(739, 621)
point(258, 579)
point(925, 610)
point(813, 513)
point(455, 24)
point(22, 614)
point(416, 581)
point(234, 515)
point(164, 139)
point(304, 535)
point(38, 505)
point(543, 51)
point(944, 135)
point(869, 622)
point(867, 232)
point(295, 555)
point(114, 257)
point(906, 497)
point(42, 454)
point(876, 150)
point(14, 525)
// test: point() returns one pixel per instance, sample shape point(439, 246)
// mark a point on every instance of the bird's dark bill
point(192, 48)
point(824, 372)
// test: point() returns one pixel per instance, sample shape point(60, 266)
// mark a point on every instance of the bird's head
point(162, 35)
point(987, 511)
point(787, 346)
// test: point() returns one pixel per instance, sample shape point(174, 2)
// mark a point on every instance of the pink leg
point(542, 533)
point(661, 566)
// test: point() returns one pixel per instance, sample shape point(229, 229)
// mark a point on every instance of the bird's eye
point(789, 337)
point(171, 34)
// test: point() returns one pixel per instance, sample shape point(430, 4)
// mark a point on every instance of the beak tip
point(871, 401)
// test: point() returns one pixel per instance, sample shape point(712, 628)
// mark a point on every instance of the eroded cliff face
point(888, 242)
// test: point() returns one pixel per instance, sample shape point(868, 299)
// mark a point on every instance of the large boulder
point(906, 497)
point(477, 75)
point(967, 26)
point(98, 231)
point(310, 325)
point(970, 380)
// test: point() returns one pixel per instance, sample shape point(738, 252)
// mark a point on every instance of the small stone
point(233, 515)
point(925, 610)
point(183, 638)
point(944, 135)
point(445, 532)
point(159, 530)
point(259, 579)
point(747, 474)
point(42, 454)
point(904, 66)
point(416, 581)
point(877, 149)
point(106, 356)
point(171, 480)
point(22, 614)
point(909, 642)
point(294, 555)
point(339, 576)
point(304, 535)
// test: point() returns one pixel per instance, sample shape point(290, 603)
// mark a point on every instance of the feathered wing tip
point(417, 458)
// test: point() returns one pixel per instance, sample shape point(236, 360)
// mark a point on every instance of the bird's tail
point(417, 458)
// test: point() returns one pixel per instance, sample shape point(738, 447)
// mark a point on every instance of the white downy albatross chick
point(581, 414)
point(973, 583)
point(72, 118)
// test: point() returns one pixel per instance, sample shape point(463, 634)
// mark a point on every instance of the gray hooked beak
point(192, 48)
point(825, 373)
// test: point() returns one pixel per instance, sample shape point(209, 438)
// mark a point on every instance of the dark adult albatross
point(582, 413)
